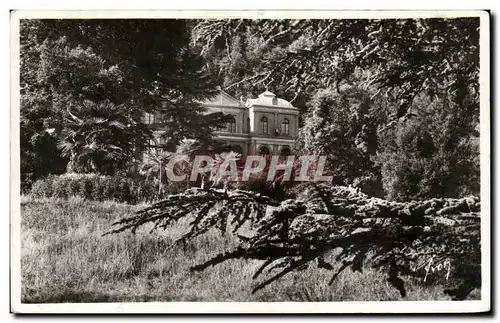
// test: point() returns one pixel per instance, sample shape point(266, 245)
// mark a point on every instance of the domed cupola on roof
point(269, 99)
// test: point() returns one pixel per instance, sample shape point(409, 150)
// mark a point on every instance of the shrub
point(392, 237)
point(96, 187)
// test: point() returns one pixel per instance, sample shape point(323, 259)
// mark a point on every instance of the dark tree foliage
point(126, 67)
point(397, 237)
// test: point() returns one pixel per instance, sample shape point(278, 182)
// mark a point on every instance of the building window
point(149, 118)
point(231, 125)
point(285, 127)
point(264, 125)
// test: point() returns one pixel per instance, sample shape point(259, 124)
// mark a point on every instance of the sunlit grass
point(65, 258)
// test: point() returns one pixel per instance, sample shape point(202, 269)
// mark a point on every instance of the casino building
point(263, 125)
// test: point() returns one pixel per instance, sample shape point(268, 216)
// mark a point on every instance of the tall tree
point(404, 57)
point(343, 127)
point(135, 66)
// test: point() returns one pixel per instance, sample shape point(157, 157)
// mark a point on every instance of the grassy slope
point(65, 259)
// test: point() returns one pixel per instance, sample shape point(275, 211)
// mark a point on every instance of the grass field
point(65, 258)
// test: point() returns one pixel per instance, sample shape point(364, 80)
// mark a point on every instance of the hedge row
point(99, 188)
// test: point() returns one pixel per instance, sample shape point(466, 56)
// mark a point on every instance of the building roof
point(269, 99)
point(223, 99)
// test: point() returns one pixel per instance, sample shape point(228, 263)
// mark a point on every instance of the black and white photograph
point(250, 162)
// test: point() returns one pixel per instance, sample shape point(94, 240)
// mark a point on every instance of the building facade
point(264, 125)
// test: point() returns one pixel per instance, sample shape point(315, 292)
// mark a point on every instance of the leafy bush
point(43, 187)
point(97, 187)
point(400, 238)
point(433, 154)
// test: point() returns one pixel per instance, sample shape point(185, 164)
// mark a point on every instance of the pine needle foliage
point(399, 238)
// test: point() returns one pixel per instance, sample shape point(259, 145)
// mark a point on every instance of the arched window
point(285, 127)
point(264, 125)
point(231, 125)
point(285, 151)
point(264, 151)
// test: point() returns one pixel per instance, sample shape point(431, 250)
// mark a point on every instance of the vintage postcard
point(250, 162)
